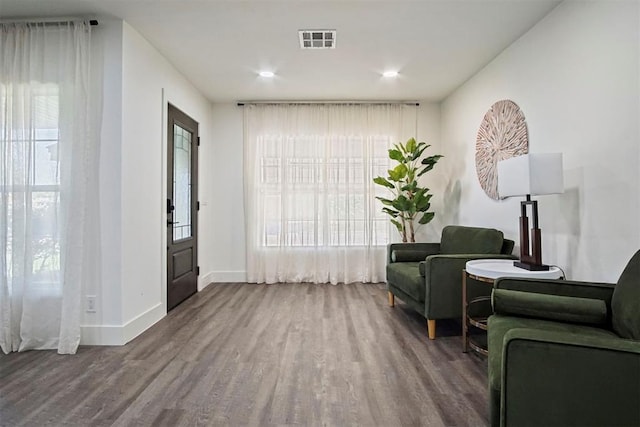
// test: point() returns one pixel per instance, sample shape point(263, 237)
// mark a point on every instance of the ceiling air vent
point(317, 39)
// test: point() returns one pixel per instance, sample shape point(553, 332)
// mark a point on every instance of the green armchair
point(565, 353)
point(428, 276)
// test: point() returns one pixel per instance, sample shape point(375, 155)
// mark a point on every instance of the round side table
point(487, 271)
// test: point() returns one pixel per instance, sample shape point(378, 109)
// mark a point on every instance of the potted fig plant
point(411, 201)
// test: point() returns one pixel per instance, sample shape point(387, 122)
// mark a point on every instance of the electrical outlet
point(91, 304)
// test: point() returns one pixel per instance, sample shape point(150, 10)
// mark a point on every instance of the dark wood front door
point(182, 207)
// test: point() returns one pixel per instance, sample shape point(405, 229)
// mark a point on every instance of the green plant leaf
point(385, 201)
point(382, 181)
point(422, 202)
point(419, 150)
point(390, 212)
point(426, 218)
point(410, 187)
point(411, 145)
point(402, 204)
point(398, 173)
point(396, 155)
point(430, 162)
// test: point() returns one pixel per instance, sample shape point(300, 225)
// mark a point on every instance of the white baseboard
point(204, 281)
point(121, 334)
point(101, 335)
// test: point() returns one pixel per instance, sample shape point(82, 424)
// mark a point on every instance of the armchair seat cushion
point(408, 274)
point(499, 325)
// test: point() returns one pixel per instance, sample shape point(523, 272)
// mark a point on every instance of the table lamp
point(530, 175)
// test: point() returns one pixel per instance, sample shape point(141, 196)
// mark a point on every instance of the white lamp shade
point(533, 174)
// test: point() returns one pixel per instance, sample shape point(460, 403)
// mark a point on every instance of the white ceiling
point(436, 45)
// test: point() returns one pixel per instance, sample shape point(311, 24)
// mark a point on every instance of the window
point(49, 188)
point(321, 196)
point(35, 194)
point(310, 200)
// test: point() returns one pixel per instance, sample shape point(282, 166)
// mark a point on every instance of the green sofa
point(428, 276)
point(565, 353)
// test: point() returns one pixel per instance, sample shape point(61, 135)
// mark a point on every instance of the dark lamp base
point(531, 267)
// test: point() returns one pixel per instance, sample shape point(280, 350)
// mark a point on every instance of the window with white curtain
point(312, 215)
point(39, 190)
point(49, 150)
point(325, 202)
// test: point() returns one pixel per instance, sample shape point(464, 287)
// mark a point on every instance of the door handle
point(172, 222)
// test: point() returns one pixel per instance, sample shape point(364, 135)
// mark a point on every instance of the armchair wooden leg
point(391, 299)
point(431, 328)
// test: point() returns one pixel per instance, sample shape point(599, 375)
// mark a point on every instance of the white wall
point(575, 75)
point(429, 132)
point(107, 42)
point(229, 263)
point(228, 228)
point(139, 82)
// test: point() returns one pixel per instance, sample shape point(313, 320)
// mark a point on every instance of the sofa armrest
point(443, 280)
point(567, 288)
point(569, 379)
point(549, 307)
point(427, 248)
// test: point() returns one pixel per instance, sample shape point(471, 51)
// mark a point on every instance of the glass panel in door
point(181, 183)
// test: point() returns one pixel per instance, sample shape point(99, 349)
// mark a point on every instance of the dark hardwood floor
point(262, 355)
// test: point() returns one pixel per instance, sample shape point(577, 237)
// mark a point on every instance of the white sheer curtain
point(310, 207)
point(48, 183)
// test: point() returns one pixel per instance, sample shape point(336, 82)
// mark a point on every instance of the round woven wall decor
point(502, 135)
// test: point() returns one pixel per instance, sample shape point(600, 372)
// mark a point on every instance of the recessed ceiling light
point(390, 74)
point(266, 74)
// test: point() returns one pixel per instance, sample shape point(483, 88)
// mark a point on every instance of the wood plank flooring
point(259, 355)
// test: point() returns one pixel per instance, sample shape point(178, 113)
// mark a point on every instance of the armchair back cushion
point(625, 304)
point(471, 240)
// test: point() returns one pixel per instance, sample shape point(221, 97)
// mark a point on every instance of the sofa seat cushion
point(406, 276)
point(499, 325)
point(470, 240)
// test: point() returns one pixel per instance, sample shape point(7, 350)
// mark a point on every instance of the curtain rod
point(47, 21)
point(242, 103)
